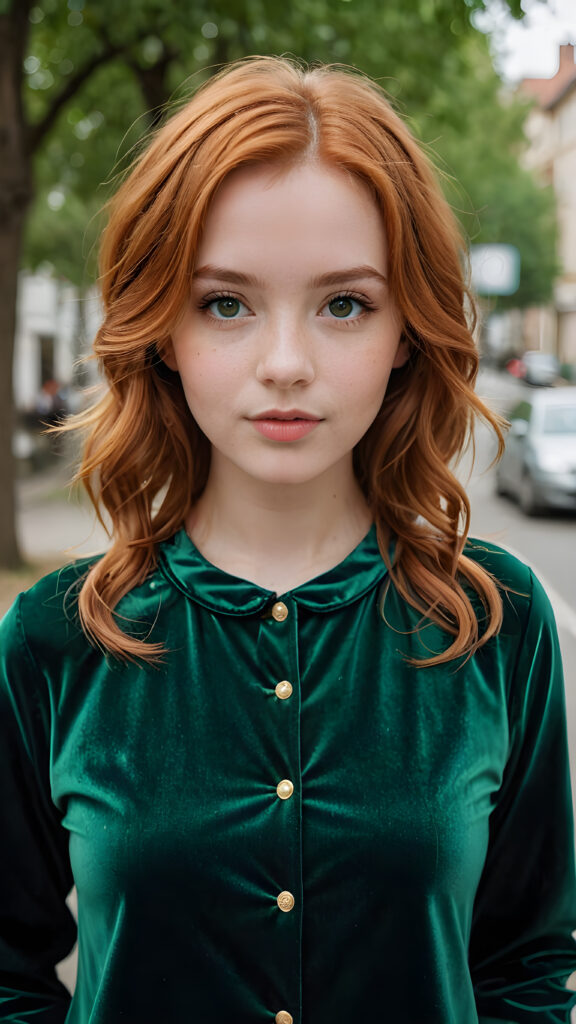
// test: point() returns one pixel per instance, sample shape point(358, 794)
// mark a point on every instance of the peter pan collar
point(186, 568)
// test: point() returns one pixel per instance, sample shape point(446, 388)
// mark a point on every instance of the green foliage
point(128, 61)
point(63, 237)
point(495, 197)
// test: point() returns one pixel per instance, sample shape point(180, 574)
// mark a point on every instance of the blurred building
point(53, 324)
point(54, 327)
point(551, 132)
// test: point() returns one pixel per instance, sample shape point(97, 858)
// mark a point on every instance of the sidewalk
point(56, 522)
point(55, 525)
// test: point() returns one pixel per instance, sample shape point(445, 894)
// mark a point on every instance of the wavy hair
point(145, 461)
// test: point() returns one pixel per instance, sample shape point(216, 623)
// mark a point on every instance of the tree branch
point(152, 83)
point(37, 132)
point(110, 50)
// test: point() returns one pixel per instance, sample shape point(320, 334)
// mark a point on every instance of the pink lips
point(285, 426)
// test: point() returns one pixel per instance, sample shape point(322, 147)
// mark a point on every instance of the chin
point(287, 476)
point(287, 479)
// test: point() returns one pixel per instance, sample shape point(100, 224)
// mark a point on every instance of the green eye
point(343, 306)
point(227, 307)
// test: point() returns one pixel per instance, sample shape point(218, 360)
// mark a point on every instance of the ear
point(402, 353)
point(168, 355)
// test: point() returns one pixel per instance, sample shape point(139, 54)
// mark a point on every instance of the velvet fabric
point(427, 844)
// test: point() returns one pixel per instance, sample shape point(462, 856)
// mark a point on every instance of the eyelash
point(367, 305)
point(217, 297)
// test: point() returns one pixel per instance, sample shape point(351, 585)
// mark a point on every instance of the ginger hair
point(145, 461)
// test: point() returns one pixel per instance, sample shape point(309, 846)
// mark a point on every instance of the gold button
point(285, 789)
point(283, 1017)
point(283, 689)
point(285, 901)
point(279, 611)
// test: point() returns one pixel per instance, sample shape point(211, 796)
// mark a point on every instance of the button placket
point(278, 651)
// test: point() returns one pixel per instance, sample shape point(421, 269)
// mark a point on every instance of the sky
point(529, 49)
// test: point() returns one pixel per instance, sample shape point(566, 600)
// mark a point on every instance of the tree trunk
point(18, 143)
point(10, 238)
point(15, 196)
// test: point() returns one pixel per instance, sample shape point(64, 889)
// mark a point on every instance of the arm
point(36, 927)
point(522, 951)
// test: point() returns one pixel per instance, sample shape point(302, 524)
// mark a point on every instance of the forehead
point(319, 212)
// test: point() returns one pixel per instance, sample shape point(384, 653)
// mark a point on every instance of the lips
point(286, 414)
point(285, 425)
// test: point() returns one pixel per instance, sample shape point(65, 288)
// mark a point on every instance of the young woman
point(297, 742)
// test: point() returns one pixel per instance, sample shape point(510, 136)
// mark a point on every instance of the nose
point(285, 356)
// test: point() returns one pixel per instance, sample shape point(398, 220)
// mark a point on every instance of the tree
point(497, 199)
point(15, 195)
point(21, 137)
point(52, 60)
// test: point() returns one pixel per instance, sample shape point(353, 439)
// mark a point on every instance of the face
point(287, 343)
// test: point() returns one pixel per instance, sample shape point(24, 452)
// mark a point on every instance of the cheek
point(371, 391)
point(369, 380)
point(202, 373)
point(213, 382)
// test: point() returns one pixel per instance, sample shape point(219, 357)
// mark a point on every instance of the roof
point(548, 92)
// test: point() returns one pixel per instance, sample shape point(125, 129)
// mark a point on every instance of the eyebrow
point(332, 278)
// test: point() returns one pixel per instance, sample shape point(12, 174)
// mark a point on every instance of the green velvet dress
point(286, 821)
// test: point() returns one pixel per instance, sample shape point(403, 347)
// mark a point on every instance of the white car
point(538, 467)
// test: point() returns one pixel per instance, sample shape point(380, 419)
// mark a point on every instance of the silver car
point(538, 467)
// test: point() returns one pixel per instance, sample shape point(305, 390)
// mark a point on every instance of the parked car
point(539, 368)
point(538, 467)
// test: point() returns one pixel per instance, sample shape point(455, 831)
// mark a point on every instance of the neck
point(278, 535)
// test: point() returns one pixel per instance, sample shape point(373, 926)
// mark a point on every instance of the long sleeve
point(36, 927)
point(522, 951)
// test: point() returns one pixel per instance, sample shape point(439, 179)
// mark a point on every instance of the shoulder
point(45, 617)
point(34, 634)
point(507, 569)
point(521, 589)
point(40, 641)
point(43, 625)
point(528, 623)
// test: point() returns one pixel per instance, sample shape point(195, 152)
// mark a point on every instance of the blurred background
point(488, 86)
